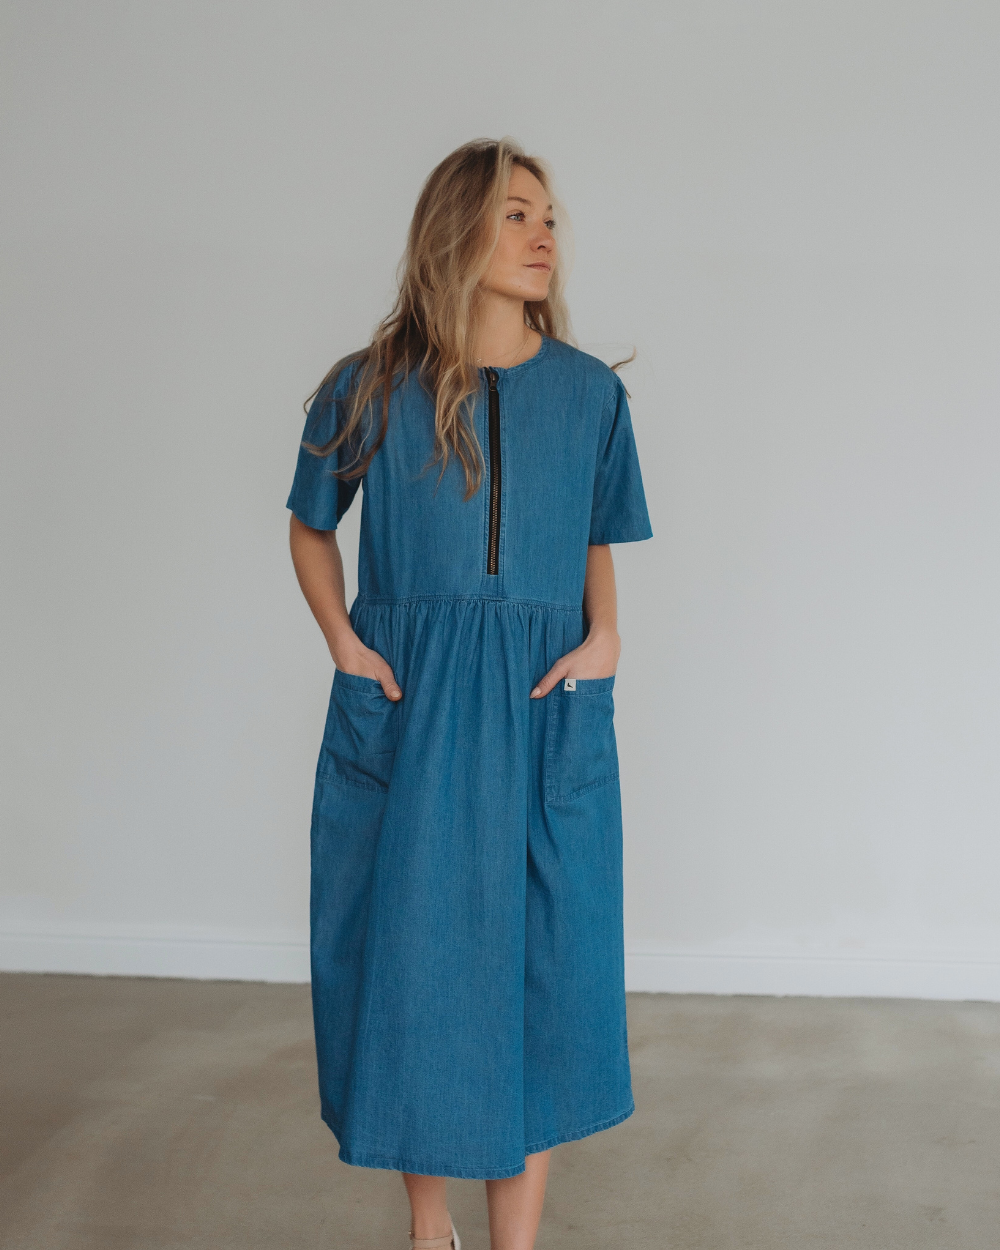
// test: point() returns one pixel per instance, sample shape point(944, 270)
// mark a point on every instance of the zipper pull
point(491, 375)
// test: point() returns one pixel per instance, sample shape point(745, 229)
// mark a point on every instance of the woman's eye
point(518, 215)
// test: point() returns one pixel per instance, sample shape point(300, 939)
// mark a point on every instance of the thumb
point(389, 685)
point(549, 680)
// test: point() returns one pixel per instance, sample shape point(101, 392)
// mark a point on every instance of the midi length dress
point(466, 845)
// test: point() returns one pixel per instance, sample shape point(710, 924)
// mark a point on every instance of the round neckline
point(503, 369)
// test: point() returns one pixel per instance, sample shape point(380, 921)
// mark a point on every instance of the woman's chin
point(536, 292)
point(532, 292)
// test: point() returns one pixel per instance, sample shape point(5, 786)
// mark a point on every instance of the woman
point(466, 906)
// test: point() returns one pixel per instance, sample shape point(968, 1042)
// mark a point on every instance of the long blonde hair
point(454, 232)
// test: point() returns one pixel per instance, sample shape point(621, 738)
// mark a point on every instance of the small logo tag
point(569, 683)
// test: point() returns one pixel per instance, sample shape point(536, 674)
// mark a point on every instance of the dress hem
point(534, 1148)
point(424, 1167)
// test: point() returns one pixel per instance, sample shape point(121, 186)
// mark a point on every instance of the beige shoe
point(446, 1242)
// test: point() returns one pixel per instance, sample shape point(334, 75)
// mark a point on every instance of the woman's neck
point(502, 339)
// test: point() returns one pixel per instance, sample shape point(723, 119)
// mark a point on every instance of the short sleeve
point(318, 498)
point(619, 512)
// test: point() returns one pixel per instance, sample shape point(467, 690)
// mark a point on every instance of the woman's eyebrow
point(521, 200)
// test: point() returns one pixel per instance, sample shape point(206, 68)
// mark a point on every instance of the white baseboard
point(665, 972)
point(154, 953)
point(242, 956)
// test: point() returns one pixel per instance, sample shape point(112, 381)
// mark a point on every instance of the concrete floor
point(155, 1114)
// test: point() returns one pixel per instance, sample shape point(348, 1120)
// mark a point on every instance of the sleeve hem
point(621, 536)
point(299, 512)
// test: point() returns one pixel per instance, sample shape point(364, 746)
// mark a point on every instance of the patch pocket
point(580, 749)
point(362, 727)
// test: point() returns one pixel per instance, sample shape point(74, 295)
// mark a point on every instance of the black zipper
point(493, 542)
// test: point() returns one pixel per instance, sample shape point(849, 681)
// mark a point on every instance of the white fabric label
point(569, 683)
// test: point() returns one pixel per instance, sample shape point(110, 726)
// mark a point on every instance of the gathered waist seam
point(405, 600)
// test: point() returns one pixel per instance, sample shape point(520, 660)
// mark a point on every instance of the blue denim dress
point(466, 900)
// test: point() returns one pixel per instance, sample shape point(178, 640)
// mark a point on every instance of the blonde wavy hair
point(431, 328)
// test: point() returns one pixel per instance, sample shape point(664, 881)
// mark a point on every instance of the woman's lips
point(540, 265)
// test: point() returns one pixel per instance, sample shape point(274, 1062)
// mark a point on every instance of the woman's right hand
point(352, 656)
point(320, 570)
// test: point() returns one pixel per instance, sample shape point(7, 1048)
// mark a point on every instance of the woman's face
point(521, 267)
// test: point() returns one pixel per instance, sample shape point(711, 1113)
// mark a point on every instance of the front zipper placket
point(493, 540)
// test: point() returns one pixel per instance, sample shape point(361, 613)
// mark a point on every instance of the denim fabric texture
point(466, 900)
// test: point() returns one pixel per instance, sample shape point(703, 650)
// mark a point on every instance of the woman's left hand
point(596, 656)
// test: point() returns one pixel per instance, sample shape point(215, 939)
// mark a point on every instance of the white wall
point(790, 208)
